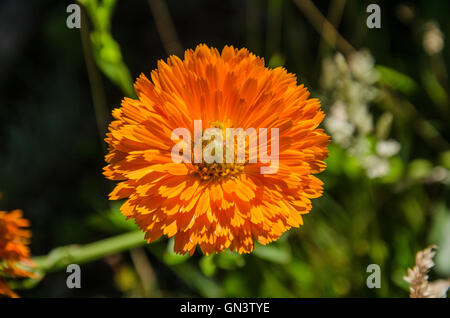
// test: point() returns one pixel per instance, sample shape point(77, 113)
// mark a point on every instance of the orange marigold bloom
point(218, 205)
point(14, 252)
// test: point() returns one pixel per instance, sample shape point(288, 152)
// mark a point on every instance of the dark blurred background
point(51, 153)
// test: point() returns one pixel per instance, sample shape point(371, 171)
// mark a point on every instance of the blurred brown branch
point(166, 28)
point(145, 271)
point(324, 27)
point(335, 12)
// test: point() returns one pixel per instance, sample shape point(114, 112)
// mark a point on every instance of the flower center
point(218, 171)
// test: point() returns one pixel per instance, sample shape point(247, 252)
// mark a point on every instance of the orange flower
point(215, 205)
point(14, 252)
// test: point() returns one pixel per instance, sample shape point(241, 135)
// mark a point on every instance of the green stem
point(61, 257)
point(95, 81)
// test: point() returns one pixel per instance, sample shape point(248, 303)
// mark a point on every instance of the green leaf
point(273, 253)
point(396, 80)
point(207, 265)
point(444, 159)
point(434, 89)
point(106, 50)
point(396, 168)
point(229, 260)
point(112, 220)
point(419, 168)
point(277, 60)
point(172, 258)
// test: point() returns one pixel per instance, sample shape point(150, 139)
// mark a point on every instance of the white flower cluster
point(433, 38)
point(438, 174)
point(350, 89)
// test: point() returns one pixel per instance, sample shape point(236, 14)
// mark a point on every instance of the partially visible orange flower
point(215, 205)
point(14, 252)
